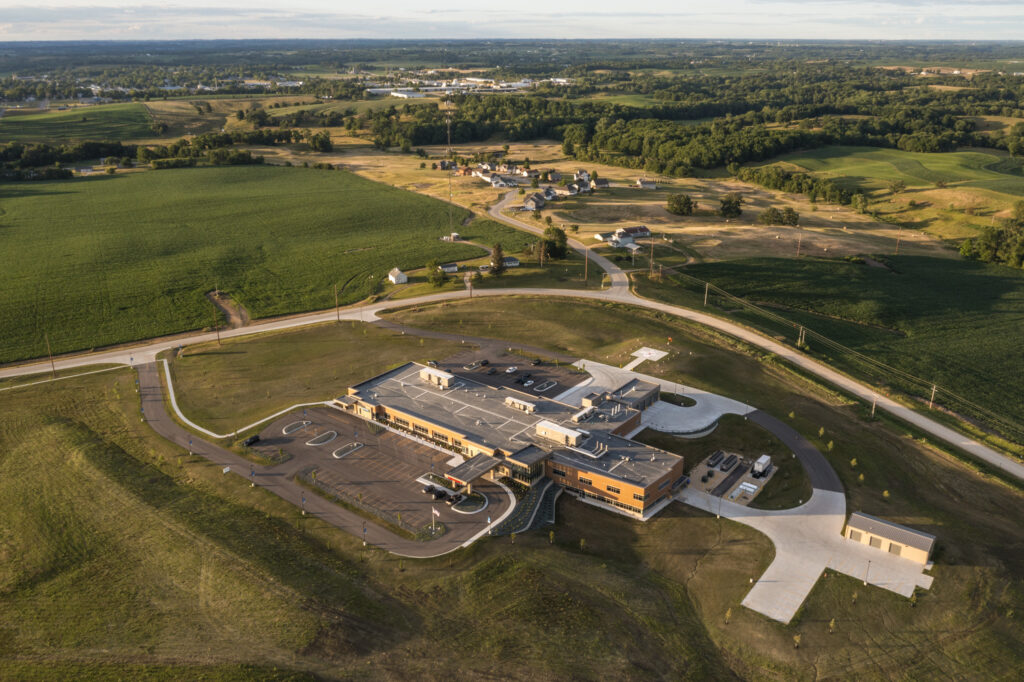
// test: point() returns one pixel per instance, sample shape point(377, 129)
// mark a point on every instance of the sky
point(457, 19)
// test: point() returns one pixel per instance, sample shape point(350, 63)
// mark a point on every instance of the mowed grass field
point(967, 625)
point(104, 260)
point(139, 559)
point(101, 122)
point(981, 185)
point(957, 324)
point(122, 558)
point(874, 167)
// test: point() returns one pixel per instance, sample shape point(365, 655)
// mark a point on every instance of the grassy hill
point(101, 122)
point(102, 260)
point(952, 322)
point(120, 554)
point(979, 184)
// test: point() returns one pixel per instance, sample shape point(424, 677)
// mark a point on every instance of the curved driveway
point(278, 480)
point(618, 292)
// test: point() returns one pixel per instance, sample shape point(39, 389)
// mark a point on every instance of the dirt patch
point(236, 315)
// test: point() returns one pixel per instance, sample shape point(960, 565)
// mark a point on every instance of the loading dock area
point(731, 476)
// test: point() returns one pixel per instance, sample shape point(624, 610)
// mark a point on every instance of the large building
point(503, 432)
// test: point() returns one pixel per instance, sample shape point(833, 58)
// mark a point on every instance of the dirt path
point(237, 315)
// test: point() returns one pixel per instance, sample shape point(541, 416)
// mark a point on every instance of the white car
point(528, 382)
point(511, 370)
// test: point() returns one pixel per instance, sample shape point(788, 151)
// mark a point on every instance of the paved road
point(277, 481)
point(147, 351)
point(819, 471)
point(619, 279)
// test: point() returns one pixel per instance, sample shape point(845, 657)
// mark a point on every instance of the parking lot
point(545, 379)
point(738, 484)
point(381, 473)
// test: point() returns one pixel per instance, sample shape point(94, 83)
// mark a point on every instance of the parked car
point(512, 370)
point(471, 366)
point(439, 494)
point(528, 382)
point(428, 489)
point(535, 362)
point(432, 363)
point(485, 362)
point(491, 370)
point(250, 441)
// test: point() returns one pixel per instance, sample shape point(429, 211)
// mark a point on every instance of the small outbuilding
point(644, 183)
point(890, 537)
point(397, 276)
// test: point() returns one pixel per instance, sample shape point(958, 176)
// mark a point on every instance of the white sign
point(227, 470)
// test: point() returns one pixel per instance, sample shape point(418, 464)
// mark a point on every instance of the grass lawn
point(977, 519)
point(226, 387)
point(955, 323)
point(979, 184)
point(131, 555)
point(133, 560)
point(787, 488)
point(101, 122)
point(104, 260)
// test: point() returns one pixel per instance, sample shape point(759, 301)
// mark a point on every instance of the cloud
point(405, 19)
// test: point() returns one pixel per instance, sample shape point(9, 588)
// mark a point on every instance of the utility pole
point(448, 120)
point(899, 236)
point(337, 310)
point(586, 264)
point(216, 324)
point(931, 400)
point(799, 238)
point(874, 400)
point(53, 368)
point(651, 274)
point(707, 286)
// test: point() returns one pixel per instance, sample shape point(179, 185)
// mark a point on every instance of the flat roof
point(892, 531)
point(479, 413)
point(472, 469)
point(620, 458)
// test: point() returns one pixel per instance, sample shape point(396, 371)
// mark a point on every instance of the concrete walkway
point(808, 539)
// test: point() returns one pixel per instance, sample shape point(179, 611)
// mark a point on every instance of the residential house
point(581, 175)
point(638, 232)
point(583, 186)
point(397, 276)
point(600, 183)
point(510, 262)
point(554, 176)
point(604, 236)
point(644, 183)
point(529, 172)
point(449, 268)
point(534, 202)
point(550, 194)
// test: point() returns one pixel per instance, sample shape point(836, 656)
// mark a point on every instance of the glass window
point(894, 548)
point(876, 542)
point(586, 481)
point(613, 489)
point(558, 472)
point(855, 535)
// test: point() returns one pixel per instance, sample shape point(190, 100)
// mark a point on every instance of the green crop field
point(872, 168)
point(957, 324)
point(107, 259)
point(101, 122)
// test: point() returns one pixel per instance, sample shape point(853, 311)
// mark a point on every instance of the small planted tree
point(731, 205)
point(583, 544)
point(551, 537)
point(832, 626)
point(796, 641)
point(728, 616)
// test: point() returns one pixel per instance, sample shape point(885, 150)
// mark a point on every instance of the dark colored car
point(440, 494)
point(428, 489)
point(491, 370)
point(535, 362)
point(250, 441)
point(485, 362)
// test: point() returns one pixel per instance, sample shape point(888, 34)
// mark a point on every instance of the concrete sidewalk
point(808, 539)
